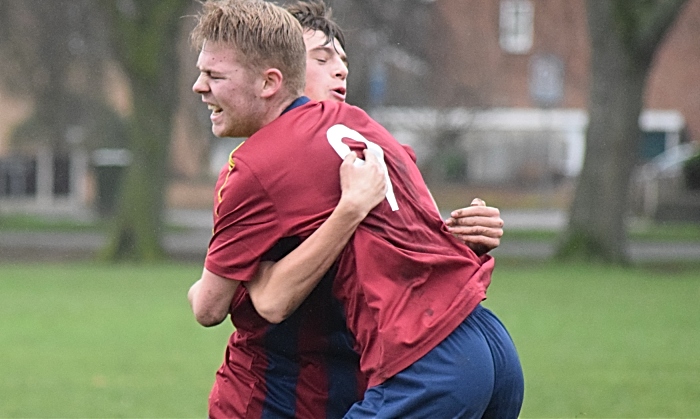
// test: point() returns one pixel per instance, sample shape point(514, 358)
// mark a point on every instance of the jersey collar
point(297, 102)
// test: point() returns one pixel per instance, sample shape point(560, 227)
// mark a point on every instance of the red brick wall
point(674, 81)
point(472, 70)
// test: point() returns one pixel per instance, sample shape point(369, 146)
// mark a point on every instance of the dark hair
point(314, 15)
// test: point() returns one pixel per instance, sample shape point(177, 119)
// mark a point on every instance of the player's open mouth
point(339, 93)
point(215, 110)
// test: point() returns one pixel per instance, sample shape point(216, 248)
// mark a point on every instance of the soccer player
point(261, 110)
point(305, 367)
point(333, 382)
point(479, 226)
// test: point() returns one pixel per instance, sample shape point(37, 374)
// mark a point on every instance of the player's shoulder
point(332, 107)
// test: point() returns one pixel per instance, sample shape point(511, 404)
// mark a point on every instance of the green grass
point(666, 231)
point(640, 232)
point(19, 222)
point(103, 341)
point(597, 341)
point(91, 340)
point(33, 223)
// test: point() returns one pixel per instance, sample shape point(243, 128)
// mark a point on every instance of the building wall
point(472, 70)
point(469, 70)
point(674, 82)
point(13, 110)
point(480, 73)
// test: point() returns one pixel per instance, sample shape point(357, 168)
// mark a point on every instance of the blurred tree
point(624, 37)
point(144, 36)
point(53, 53)
point(387, 50)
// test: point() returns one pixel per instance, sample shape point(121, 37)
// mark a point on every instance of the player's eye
point(213, 76)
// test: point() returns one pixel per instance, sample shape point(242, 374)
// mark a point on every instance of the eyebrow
point(208, 70)
point(330, 50)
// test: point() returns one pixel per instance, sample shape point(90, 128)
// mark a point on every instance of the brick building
point(504, 82)
point(495, 58)
point(508, 85)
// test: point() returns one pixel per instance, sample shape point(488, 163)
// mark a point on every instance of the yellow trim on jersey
point(231, 165)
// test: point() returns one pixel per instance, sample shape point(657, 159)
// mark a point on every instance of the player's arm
point(210, 298)
point(479, 226)
point(280, 287)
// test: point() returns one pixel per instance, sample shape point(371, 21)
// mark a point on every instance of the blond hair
point(266, 35)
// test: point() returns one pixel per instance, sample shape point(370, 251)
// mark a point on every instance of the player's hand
point(478, 226)
point(363, 186)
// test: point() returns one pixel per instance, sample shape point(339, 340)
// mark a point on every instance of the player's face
point(229, 90)
point(326, 68)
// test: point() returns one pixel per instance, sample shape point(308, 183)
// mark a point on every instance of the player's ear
point(272, 82)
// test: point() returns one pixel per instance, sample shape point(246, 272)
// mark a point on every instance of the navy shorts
point(474, 373)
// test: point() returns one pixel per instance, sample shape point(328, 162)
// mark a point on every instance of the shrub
point(691, 172)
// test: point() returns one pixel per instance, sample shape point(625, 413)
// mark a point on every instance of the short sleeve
point(245, 225)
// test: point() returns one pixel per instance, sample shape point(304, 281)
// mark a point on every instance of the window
point(17, 176)
point(516, 26)
point(546, 79)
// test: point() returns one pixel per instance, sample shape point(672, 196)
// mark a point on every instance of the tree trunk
point(624, 37)
point(146, 40)
point(138, 227)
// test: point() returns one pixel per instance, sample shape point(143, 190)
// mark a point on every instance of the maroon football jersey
point(405, 282)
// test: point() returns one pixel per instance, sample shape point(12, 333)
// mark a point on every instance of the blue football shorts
point(474, 373)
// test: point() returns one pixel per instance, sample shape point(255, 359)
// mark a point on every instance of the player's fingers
point(370, 157)
point(475, 211)
point(350, 158)
point(485, 239)
point(477, 231)
point(475, 221)
point(478, 202)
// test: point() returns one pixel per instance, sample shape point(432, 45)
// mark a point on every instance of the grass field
point(103, 341)
point(88, 340)
point(669, 231)
point(604, 342)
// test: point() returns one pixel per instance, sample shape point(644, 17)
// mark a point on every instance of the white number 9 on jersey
point(335, 135)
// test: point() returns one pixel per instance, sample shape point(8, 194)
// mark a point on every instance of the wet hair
point(266, 35)
point(315, 15)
